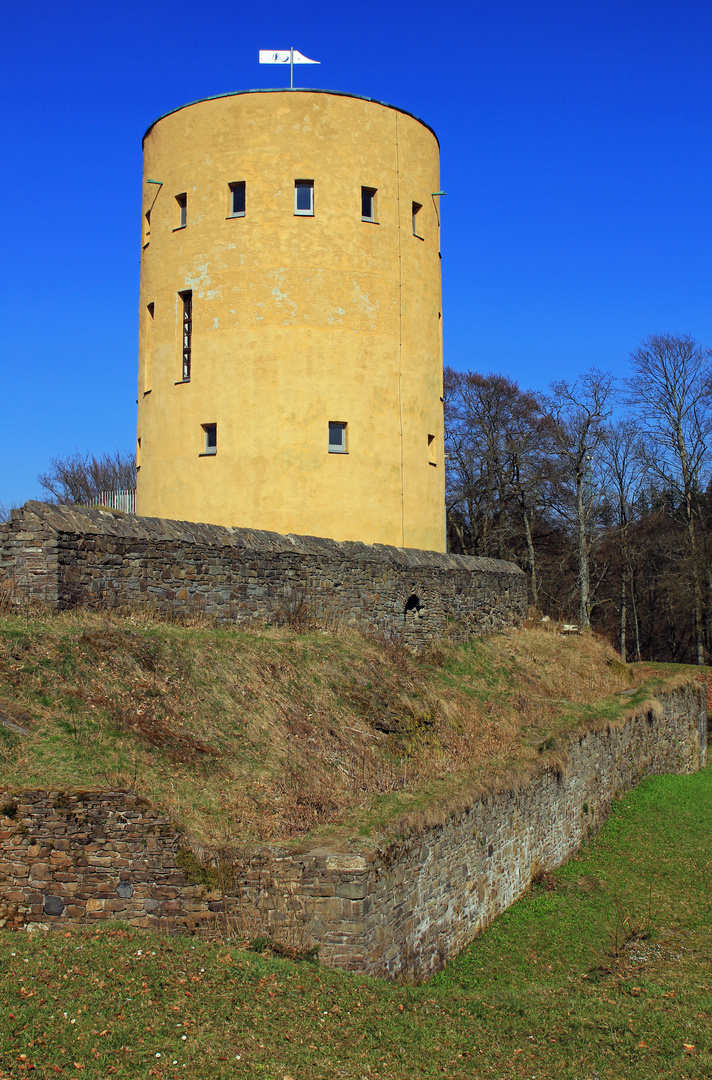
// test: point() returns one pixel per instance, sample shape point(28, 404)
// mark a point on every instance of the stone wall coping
point(94, 521)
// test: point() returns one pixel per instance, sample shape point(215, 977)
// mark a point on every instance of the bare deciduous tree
point(82, 478)
point(624, 477)
point(497, 444)
point(671, 394)
point(578, 413)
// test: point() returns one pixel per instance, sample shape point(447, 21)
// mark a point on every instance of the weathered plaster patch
point(199, 276)
point(364, 304)
point(282, 298)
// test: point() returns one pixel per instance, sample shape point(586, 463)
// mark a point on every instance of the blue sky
point(576, 150)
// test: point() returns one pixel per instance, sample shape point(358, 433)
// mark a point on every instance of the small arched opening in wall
point(413, 606)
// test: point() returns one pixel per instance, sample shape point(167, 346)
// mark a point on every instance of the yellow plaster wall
point(296, 320)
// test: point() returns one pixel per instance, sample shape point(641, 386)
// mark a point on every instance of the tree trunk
point(623, 611)
point(459, 533)
point(635, 618)
point(695, 584)
point(532, 562)
point(584, 577)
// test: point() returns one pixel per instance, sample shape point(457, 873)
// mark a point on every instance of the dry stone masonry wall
point(400, 911)
point(87, 557)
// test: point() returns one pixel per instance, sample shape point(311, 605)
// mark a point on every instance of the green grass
point(603, 970)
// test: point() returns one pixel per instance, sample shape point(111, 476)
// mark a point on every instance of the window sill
point(179, 227)
point(235, 215)
point(342, 452)
point(304, 213)
point(370, 221)
point(181, 381)
point(208, 453)
point(418, 237)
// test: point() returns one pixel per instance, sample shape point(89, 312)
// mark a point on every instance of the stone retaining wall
point(403, 910)
point(82, 556)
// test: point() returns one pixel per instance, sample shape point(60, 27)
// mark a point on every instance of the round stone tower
point(290, 361)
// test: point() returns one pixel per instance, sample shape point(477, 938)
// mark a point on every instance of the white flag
point(284, 57)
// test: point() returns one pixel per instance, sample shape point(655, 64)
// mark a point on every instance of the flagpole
point(291, 69)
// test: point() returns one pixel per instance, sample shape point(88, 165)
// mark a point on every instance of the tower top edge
point(282, 90)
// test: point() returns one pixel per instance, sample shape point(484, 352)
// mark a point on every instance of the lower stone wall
point(402, 911)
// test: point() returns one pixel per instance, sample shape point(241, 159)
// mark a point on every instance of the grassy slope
point(280, 736)
point(543, 993)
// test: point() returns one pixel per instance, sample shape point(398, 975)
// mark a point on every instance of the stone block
point(53, 905)
point(352, 890)
point(14, 896)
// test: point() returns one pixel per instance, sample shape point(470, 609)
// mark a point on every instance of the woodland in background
point(601, 492)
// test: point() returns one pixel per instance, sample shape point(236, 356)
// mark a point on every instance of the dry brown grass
point(270, 736)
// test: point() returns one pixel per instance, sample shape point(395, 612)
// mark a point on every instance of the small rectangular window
point(138, 454)
point(417, 207)
point(146, 228)
point(187, 301)
point(237, 199)
point(304, 198)
point(337, 437)
point(211, 438)
point(431, 450)
point(182, 201)
point(368, 204)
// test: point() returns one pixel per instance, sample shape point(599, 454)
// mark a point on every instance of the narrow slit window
point(182, 201)
point(210, 443)
point(138, 454)
point(304, 198)
point(237, 199)
point(417, 207)
point(187, 301)
point(148, 348)
point(368, 204)
point(431, 450)
point(337, 437)
point(146, 228)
